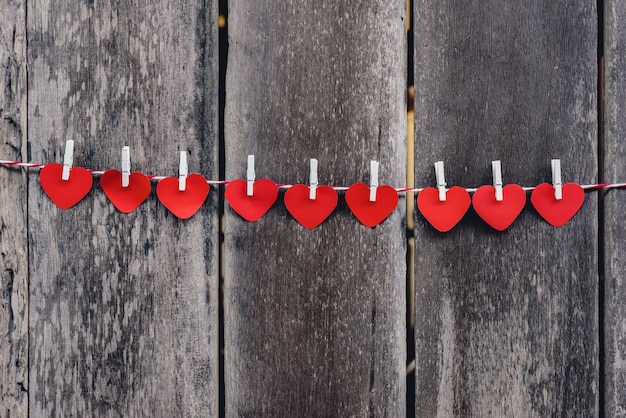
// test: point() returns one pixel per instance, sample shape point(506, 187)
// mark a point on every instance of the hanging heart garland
point(125, 199)
point(65, 193)
point(251, 208)
point(443, 216)
point(183, 204)
point(310, 212)
point(371, 213)
point(499, 214)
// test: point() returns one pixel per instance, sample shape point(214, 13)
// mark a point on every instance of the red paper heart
point(251, 208)
point(443, 215)
point(499, 215)
point(557, 212)
point(310, 213)
point(125, 199)
point(371, 213)
point(183, 204)
point(65, 193)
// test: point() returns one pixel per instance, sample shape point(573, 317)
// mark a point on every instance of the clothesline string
point(600, 186)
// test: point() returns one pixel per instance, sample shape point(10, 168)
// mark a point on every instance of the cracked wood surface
point(614, 203)
point(13, 234)
point(123, 308)
point(315, 319)
point(507, 322)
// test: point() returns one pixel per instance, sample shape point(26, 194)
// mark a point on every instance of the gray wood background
point(108, 314)
point(614, 201)
point(507, 323)
point(123, 308)
point(13, 215)
point(315, 319)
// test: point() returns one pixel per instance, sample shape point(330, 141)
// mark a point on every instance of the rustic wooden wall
point(123, 308)
point(614, 203)
point(314, 319)
point(13, 236)
point(507, 323)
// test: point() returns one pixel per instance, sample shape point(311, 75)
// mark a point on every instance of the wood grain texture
point(506, 323)
point(123, 307)
point(314, 319)
point(13, 215)
point(614, 203)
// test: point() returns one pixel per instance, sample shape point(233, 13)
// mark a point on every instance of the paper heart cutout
point(371, 213)
point(125, 199)
point(310, 213)
point(65, 193)
point(251, 208)
point(183, 204)
point(557, 212)
point(443, 215)
point(499, 215)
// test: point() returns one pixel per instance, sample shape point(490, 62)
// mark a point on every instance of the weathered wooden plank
point(123, 307)
point(13, 235)
point(614, 200)
point(314, 319)
point(506, 323)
